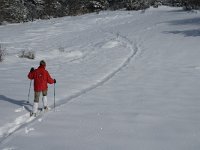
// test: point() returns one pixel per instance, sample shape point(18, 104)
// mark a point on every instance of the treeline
point(13, 11)
point(186, 4)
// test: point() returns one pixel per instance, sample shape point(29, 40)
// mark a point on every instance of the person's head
point(42, 63)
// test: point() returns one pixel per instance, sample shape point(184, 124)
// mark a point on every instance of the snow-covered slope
point(125, 80)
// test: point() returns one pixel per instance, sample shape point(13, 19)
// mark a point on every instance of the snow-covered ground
point(125, 81)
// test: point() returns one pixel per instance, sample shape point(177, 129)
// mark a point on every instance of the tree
point(52, 8)
point(191, 4)
point(12, 10)
point(138, 5)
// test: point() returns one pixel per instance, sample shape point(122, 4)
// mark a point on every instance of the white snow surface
point(126, 80)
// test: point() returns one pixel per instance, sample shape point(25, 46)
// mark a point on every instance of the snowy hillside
point(125, 81)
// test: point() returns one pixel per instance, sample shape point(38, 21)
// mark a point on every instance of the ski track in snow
point(25, 120)
point(134, 49)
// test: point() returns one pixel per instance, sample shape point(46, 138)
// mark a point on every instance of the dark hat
point(42, 63)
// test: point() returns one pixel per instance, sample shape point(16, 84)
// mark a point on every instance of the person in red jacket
point(41, 78)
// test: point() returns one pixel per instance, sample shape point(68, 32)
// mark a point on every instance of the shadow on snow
point(16, 102)
point(191, 21)
point(186, 33)
point(194, 33)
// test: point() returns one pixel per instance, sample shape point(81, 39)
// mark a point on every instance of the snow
point(125, 80)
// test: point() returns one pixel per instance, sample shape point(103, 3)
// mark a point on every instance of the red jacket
point(41, 77)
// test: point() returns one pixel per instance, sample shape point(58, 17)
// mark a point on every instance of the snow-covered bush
point(115, 5)
point(156, 3)
point(138, 5)
point(61, 49)
point(95, 6)
point(27, 54)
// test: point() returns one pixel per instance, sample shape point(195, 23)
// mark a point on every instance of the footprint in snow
point(27, 130)
point(20, 109)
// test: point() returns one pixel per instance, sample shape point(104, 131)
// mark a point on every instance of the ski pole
point(29, 91)
point(54, 96)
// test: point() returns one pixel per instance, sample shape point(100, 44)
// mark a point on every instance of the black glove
point(54, 80)
point(32, 69)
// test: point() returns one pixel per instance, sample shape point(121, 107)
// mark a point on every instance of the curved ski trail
point(25, 120)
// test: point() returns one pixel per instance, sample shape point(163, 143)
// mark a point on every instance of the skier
point(41, 78)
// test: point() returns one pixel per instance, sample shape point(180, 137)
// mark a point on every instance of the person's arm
point(50, 80)
point(31, 74)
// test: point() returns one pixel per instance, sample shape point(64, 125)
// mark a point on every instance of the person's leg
point(36, 102)
point(44, 99)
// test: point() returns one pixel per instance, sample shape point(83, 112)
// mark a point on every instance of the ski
point(39, 112)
